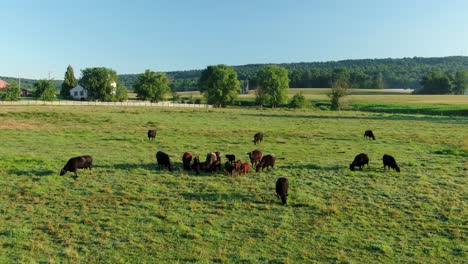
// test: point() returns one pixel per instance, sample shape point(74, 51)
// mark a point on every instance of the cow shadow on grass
point(128, 166)
point(314, 167)
point(213, 197)
point(40, 173)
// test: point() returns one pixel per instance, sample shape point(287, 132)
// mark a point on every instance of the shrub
point(299, 101)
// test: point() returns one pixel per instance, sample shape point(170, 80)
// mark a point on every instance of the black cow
point(282, 186)
point(368, 133)
point(151, 134)
point(231, 158)
point(390, 162)
point(359, 161)
point(267, 161)
point(196, 166)
point(73, 164)
point(255, 156)
point(164, 161)
point(230, 168)
point(186, 159)
point(258, 137)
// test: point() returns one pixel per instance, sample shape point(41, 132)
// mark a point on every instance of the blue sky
point(42, 37)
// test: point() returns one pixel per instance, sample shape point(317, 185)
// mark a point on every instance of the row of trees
point(444, 83)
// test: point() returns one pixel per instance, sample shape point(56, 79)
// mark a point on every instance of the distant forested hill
point(365, 73)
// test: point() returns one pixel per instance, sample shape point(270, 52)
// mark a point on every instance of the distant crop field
point(126, 210)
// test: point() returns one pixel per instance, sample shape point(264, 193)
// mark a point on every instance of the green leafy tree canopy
point(273, 85)
point(100, 83)
point(11, 93)
point(152, 86)
point(219, 84)
point(69, 82)
point(44, 90)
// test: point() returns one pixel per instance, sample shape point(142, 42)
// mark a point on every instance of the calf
point(229, 168)
point(196, 166)
point(244, 168)
point(267, 161)
point(255, 156)
point(258, 137)
point(359, 161)
point(164, 161)
point(73, 164)
point(186, 159)
point(282, 186)
point(369, 134)
point(151, 134)
point(231, 158)
point(390, 162)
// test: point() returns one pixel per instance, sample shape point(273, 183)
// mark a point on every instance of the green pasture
point(125, 210)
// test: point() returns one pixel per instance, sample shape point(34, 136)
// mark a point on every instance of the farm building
point(3, 84)
point(79, 93)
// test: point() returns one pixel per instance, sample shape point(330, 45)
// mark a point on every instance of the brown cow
point(186, 159)
point(244, 168)
point(255, 156)
point(151, 134)
point(267, 161)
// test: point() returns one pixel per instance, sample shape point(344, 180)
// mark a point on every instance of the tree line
point(365, 73)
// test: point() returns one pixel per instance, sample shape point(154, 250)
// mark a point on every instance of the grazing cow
point(258, 137)
point(255, 156)
point(244, 168)
point(390, 162)
point(196, 166)
point(73, 164)
point(164, 161)
point(231, 158)
point(210, 161)
point(282, 186)
point(229, 168)
point(369, 134)
point(238, 165)
point(267, 161)
point(151, 134)
point(186, 159)
point(359, 161)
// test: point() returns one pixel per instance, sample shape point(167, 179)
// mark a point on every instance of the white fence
point(128, 103)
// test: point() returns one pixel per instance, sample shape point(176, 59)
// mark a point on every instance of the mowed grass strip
point(125, 210)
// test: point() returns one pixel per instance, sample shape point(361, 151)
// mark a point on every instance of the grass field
point(127, 211)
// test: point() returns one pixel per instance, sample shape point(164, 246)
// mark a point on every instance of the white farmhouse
point(79, 93)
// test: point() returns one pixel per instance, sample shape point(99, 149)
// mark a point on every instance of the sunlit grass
point(125, 210)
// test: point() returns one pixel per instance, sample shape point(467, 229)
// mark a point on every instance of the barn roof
point(3, 84)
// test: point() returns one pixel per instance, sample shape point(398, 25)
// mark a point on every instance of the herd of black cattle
point(232, 166)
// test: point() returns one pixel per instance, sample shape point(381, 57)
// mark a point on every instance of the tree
point(273, 85)
point(152, 86)
point(436, 83)
point(299, 101)
point(219, 84)
point(44, 90)
point(100, 82)
point(460, 82)
point(121, 93)
point(69, 82)
point(11, 93)
point(336, 95)
point(378, 81)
